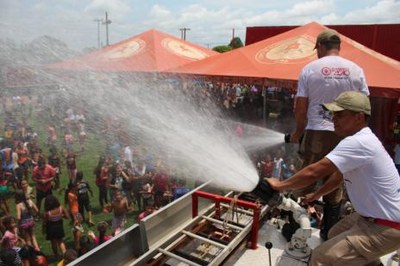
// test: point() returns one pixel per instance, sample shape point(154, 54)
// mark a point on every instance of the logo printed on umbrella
point(181, 48)
point(125, 50)
point(295, 50)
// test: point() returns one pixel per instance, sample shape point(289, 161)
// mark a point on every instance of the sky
point(210, 22)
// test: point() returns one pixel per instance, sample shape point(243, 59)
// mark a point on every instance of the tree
point(236, 43)
point(222, 48)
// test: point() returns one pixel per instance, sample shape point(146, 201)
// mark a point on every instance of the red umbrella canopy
point(151, 51)
point(282, 57)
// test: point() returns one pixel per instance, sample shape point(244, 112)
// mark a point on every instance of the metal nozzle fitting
point(287, 137)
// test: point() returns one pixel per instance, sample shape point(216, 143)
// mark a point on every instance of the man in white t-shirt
point(372, 183)
point(321, 81)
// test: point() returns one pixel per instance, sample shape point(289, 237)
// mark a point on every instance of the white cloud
point(118, 8)
point(387, 11)
point(160, 13)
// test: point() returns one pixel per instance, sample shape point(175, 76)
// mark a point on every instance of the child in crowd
point(85, 245)
point(25, 210)
point(70, 162)
point(11, 239)
point(147, 194)
point(149, 210)
point(69, 256)
point(68, 141)
point(84, 189)
point(3, 196)
point(103, 237)
point(120, 207)
point(76, 217)
point(55, 162)
point(27, 189)
point(102, 173)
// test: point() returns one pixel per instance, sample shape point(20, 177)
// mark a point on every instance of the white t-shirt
point(128, 154)
point(371, 178)
point(322, 80)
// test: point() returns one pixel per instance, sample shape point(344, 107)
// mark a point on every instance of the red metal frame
point(217, 201)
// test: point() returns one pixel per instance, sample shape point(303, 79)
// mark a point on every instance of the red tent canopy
point(283, 56)
point(151, 51)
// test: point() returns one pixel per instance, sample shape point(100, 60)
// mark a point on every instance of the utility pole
point(106, 22)
point(183, 33)
point(98, 21)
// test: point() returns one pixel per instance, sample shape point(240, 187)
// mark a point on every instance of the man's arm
point(300, 114)
point(305, 177)
point(333, 182)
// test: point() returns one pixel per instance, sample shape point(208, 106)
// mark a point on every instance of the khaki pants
point(316, 145)
point(356, 241)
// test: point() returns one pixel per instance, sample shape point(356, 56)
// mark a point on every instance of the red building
point(382, 38)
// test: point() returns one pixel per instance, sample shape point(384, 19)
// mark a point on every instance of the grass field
point(86, 162)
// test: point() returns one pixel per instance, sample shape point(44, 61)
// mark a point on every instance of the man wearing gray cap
point(372, 183)
point(321, 81)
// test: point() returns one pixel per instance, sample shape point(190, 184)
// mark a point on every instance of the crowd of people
point(42, 166)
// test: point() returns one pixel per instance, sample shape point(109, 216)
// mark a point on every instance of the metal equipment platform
point(201, 228)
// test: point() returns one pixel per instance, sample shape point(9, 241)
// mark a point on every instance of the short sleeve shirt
point(322, 80)
point(370, 176)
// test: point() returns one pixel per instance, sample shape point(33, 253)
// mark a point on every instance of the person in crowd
point(278, 162)
point(55, 162)
point(25, 212)
point(102, 174)
point(53, 225)
point(160, 186)
point(4, 191)
point(149, 210)
point(118, 178)
point(68, 141)
point(102, 237)
point(70, 163)
point(11, 238)
point(181, 189)
point(10, 257)
point(73, 208)
point(23, 159)
point(372, 184)
point(120, 208)
point(84, 189)
point(81, 135)
point(32, 257)
point(51, 135)
point(7, 164)
point(128, 154)
point(27, 189)
point(43, 175)
point(321, 81)
point(85, 245)
point(147, 194)
point(69, 256)
point(266, 166)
